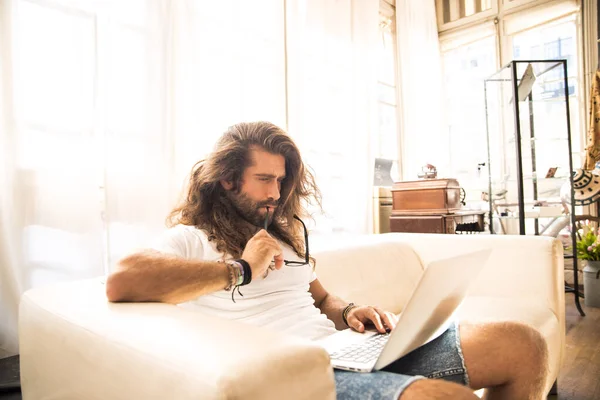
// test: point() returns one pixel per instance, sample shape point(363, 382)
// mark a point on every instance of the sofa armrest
point(524, 274)
point(74, 344)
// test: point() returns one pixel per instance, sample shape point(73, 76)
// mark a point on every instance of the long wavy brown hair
point(206, 206)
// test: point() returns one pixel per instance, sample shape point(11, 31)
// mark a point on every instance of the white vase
point(591, 284)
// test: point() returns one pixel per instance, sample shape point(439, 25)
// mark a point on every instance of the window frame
point(387, 9)
point(469, 20)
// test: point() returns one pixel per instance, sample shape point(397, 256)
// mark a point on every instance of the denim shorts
point(439, 359)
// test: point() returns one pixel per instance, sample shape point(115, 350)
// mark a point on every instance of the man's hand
point(361, 315)
point(260, 251)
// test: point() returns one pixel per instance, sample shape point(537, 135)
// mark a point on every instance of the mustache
point(268, 204)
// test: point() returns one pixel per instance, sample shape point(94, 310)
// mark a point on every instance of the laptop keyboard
point(362, 352)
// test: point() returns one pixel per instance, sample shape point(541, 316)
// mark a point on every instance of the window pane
point(387, 94)
point(128, 81)
point(556, 40)
point(132, 13)
point(465, 68)
point(387, 51)
point(387, 140)
point(54, 68)
point(388, 132)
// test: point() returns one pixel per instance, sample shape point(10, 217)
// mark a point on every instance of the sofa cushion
point(370, 270)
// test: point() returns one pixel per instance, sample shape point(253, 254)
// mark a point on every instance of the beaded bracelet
point(235, 275)
point(346, 312)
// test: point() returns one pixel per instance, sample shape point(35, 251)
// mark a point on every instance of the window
point(556, 40)
point(387, 140)
point(470, 52)
point(55, 147)
point(464, 69)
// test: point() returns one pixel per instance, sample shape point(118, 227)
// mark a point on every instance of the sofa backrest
point(377, 270)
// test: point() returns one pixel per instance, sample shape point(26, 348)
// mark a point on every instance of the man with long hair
point(240, 226)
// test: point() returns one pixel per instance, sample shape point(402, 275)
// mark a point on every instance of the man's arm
point(154, 276)
point(332, 306)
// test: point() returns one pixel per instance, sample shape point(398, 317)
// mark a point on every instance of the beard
point(250, 210)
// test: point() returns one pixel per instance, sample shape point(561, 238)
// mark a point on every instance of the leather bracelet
point(247, 271)
point(241, 272)
point(346, 311)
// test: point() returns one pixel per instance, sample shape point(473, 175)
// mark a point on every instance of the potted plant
point(588, 248)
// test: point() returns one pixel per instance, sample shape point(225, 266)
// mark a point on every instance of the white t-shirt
point(280, 302)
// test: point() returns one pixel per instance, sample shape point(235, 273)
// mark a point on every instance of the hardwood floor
point(579, 378)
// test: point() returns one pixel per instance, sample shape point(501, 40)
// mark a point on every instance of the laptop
point(428, 313)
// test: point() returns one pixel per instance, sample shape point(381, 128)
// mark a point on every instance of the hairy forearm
point(332, 306)
point(153, 276)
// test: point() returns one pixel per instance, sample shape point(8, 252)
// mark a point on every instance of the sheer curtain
point(106, 105)
point(199, 67)
point(332, 103)
point(420, 83)
point(10, 282)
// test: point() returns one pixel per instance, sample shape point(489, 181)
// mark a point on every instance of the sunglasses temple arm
point(306, 256)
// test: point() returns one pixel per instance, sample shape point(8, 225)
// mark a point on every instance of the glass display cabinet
point(530, 158)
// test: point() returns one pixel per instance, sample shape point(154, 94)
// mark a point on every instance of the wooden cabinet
point(466, 222)
point(431, 206)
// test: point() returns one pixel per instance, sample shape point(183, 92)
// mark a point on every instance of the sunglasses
point(306, 254)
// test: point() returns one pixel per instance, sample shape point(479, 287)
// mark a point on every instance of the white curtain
point(332, 96)
point(420, 81)
point(106, 105)
point(10, 282)
point(204, 66)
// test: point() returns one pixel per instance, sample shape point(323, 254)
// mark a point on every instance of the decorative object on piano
point(586, 187)
point(428, 171)
point(431, 206)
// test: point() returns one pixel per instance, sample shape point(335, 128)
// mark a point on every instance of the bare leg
point(437, 389)
point(507, 358)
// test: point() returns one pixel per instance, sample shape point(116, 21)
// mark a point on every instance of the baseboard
point(10, 377)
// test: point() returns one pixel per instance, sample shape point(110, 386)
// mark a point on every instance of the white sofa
point(76, 345)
